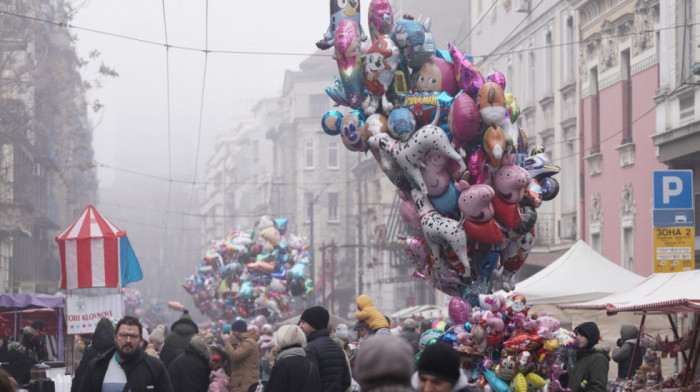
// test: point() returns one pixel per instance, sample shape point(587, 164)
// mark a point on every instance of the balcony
point(15, 219)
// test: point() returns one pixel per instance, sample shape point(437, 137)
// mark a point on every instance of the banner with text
point(83, 313)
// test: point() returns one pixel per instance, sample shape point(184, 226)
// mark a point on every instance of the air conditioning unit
point(522, 6)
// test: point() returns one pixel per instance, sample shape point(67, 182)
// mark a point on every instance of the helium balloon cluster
point(447, 137)
point(133, 303)
point(251, 272)
point(502, 347)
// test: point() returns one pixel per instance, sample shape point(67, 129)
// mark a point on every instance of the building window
point(595, 136)
point(626, 76)
point(628, 246)
point(509, 72)
point(333, 150)
point(569, 70)
point(318, 105)
point(308, 207)
point(595, 240)
point(309, 154)
point(686, 106)
point(6, 173)
point(256, 152)
point(531, 78)
point(333, 207)
point(568, 188)
point(5, 255)
point(548, 63)
point(685, 40)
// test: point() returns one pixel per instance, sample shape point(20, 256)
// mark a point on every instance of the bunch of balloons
point(504, 348)
point(132, 301)
point(251, 272)
point(447, 137)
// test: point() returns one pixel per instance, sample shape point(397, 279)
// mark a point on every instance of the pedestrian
point(362, 330)
point(175, 342)
point(265, 344)
point(7, 383)
point(323, 351)
point(219, 380)
point(293, 371)
point(409, 330)
point(368, 313)
point(384, 363)
point(342, 334)
point(590, 370)
point(622, 354)
point(22, 356)
point(102, 341)
point(439, 370)
point(38, 340)
point(190, 371)
point(155, 341)
point(126, 367)
point(243, 356)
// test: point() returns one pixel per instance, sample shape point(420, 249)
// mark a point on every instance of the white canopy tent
point(579, 275)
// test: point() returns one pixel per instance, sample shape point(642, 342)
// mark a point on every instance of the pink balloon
point(458, 309)
point(498, 78)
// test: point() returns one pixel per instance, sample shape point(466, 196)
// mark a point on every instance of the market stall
point(666, 293)
point(20, 310)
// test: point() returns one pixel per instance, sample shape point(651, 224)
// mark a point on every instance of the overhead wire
point(167, 82)
point(493, 4)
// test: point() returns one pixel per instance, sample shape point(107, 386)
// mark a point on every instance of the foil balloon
point(498, 78)
point(380, 19)
point(437, 75)
point(401, 124)
point(381, 62)
point(458, 309)
point(352, 129)
point(414, 39)
point(348, 54)
point(463, 119)
point(425, 106)
point(492, 103)
point(469, 78)
point(409, 212)
point(340, 12)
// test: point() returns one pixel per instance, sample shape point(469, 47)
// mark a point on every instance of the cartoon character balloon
point(380, 19)
point(348, 53)
point(341, 10)
point(381, 62)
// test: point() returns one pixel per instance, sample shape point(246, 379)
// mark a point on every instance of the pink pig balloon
point(475, 201)
point(435, 173)
point(458, 309)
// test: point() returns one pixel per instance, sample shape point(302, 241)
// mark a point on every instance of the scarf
point(291, 351)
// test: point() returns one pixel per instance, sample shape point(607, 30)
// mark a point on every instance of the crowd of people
point(312, 355)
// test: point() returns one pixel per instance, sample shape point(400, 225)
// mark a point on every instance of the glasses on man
point(128, 336)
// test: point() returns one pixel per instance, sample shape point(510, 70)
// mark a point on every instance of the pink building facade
point(619, 78)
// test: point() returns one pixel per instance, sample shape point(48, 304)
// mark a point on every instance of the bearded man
point(126, 367)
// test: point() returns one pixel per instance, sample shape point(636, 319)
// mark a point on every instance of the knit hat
point(383, 360)
point(239, 326)
point(186, 314)
point(316, 316)
point(440, 360)
point(158, 334)
point(590, 330)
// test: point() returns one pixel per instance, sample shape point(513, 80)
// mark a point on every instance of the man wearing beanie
point(590, 371)
point(182, 331)
point(439, 370)
point(155, 341)
point(384, 362)
point(243, 356)
point(323, 351)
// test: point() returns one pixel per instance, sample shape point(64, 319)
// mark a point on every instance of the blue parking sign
point(673, 189)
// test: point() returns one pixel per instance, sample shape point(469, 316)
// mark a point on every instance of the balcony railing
point(15, 219)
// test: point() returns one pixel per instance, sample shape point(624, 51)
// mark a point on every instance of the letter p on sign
point(672, 186)
point(673, 189)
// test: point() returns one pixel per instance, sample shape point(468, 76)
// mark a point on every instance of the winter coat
point(590, 371)
point(244, 359)
point(190, 371)
point(623, 354)
point(368, 313)
point(330, 360)
point(144, 373)
point(20, 362)
point(219, 381)
point(102, 340)
point(176, 341)
point(293, 372)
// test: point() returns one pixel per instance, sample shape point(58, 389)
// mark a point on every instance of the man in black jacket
point(323, 351)
point(175, 342)
point(190, 371)
point(126, 367)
